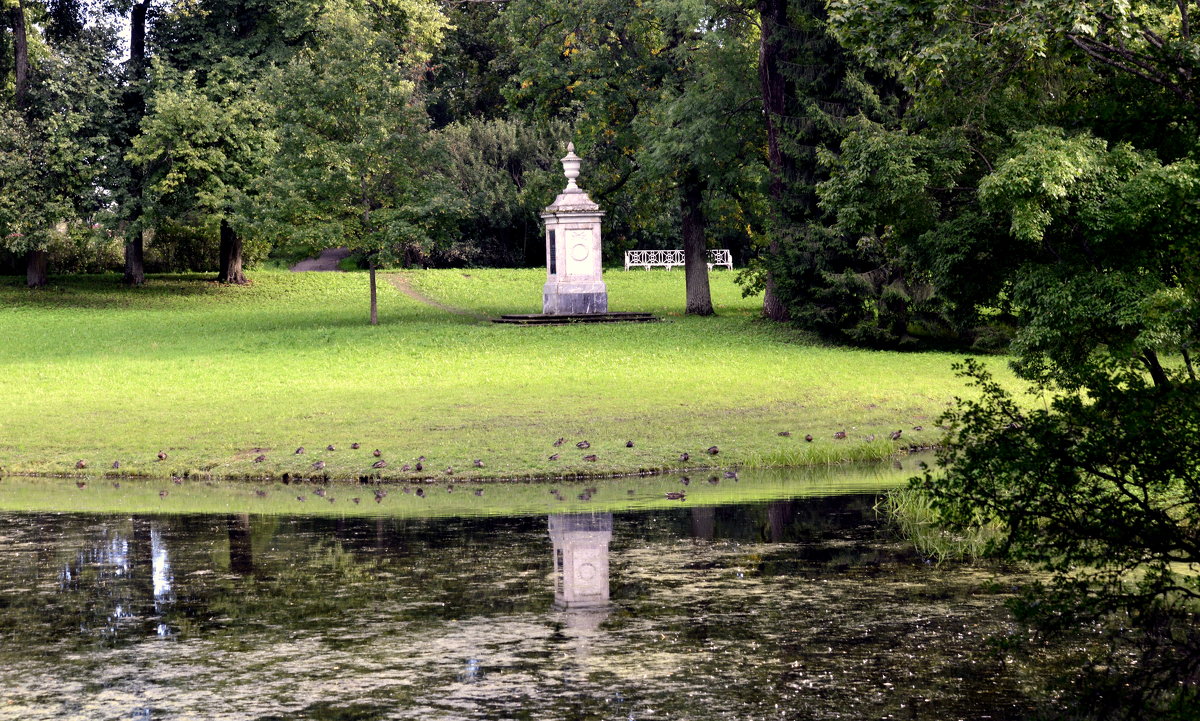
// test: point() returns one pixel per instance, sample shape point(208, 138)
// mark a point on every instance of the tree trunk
point(137, 47)
point(231, 256)
point(135, 272)
point(695, 249)
point(35, 268)
point(141, 566)
point(20, 56)
point(1157, 373)
point(374, 301)
point(772, 16)
point(241, 550)
point(135, 107)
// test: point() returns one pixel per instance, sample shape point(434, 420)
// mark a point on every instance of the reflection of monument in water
point(581, 559)
point(581, 567)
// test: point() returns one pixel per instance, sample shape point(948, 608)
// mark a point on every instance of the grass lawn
point(208, 374)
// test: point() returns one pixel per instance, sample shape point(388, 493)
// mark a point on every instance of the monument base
point(574, 298)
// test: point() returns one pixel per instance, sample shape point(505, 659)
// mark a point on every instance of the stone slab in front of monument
point(574, 280)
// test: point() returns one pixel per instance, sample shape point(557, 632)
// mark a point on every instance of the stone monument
point(574, 284)
point(581, 559)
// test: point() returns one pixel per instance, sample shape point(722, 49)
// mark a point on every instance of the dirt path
point(403, 284)
point(327, 261)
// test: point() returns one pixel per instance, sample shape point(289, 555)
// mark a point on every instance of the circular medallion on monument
point(586, 572)
point(579, 252)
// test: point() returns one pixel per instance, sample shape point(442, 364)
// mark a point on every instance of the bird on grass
point(355, 446)
point(808, 437)
point(320, 492)
point(785, 434)
point(676, 495)
point(419, 467)
point(299, 451)
point(583, 445)
point(421, 459)
point(685, 480)
point(116, 464)
point(918, 428)
point(260, 459)
point(895, 435)
point(450, 489)
point(731, 474)
point(449, 471)
point(405, 468)
point(712, 450)
point(684, 457)
point(559, 442)
point(421, 492)
point(81, 464)
point(379, 464)
point(116, 484)
point(629, 444)
point(81, 484)
point(590, 458)
point(839, 435)
point(479, 491)
point(355, 500)
point(377, 453)
point(870, 438)
point(302, 499)
point(163, 494)
point(330, 447)
point(162, 456)
point(553, 457)
point(478, 463)
point(260, 493)
point(379, 494)
point(318, 466)
point(714, 480)
point(177, 480)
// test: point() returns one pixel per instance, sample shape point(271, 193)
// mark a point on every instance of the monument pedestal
point(572, 298)
point(574, 281)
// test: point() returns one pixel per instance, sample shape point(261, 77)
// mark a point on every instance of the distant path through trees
point(327, 261)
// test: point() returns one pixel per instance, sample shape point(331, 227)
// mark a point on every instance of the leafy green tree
point(1101, 489)
point(352, 137)
point(468, 71)
point(802, 73)
point(209, 58)
point(662, 97)
point(1018, 183)
point(54, 131)
point(503, 170)
point(127, 180)
point(200, 149)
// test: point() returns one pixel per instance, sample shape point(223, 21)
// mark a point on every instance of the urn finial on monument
point(574, 283)
point(570, 163)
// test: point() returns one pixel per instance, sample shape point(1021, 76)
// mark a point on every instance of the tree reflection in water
point(795, 609)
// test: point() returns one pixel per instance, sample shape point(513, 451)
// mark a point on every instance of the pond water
point(798, 607)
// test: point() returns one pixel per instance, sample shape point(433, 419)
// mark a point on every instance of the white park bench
point(670, 258)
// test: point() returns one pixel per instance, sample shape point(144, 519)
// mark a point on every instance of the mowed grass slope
point(208, 374)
